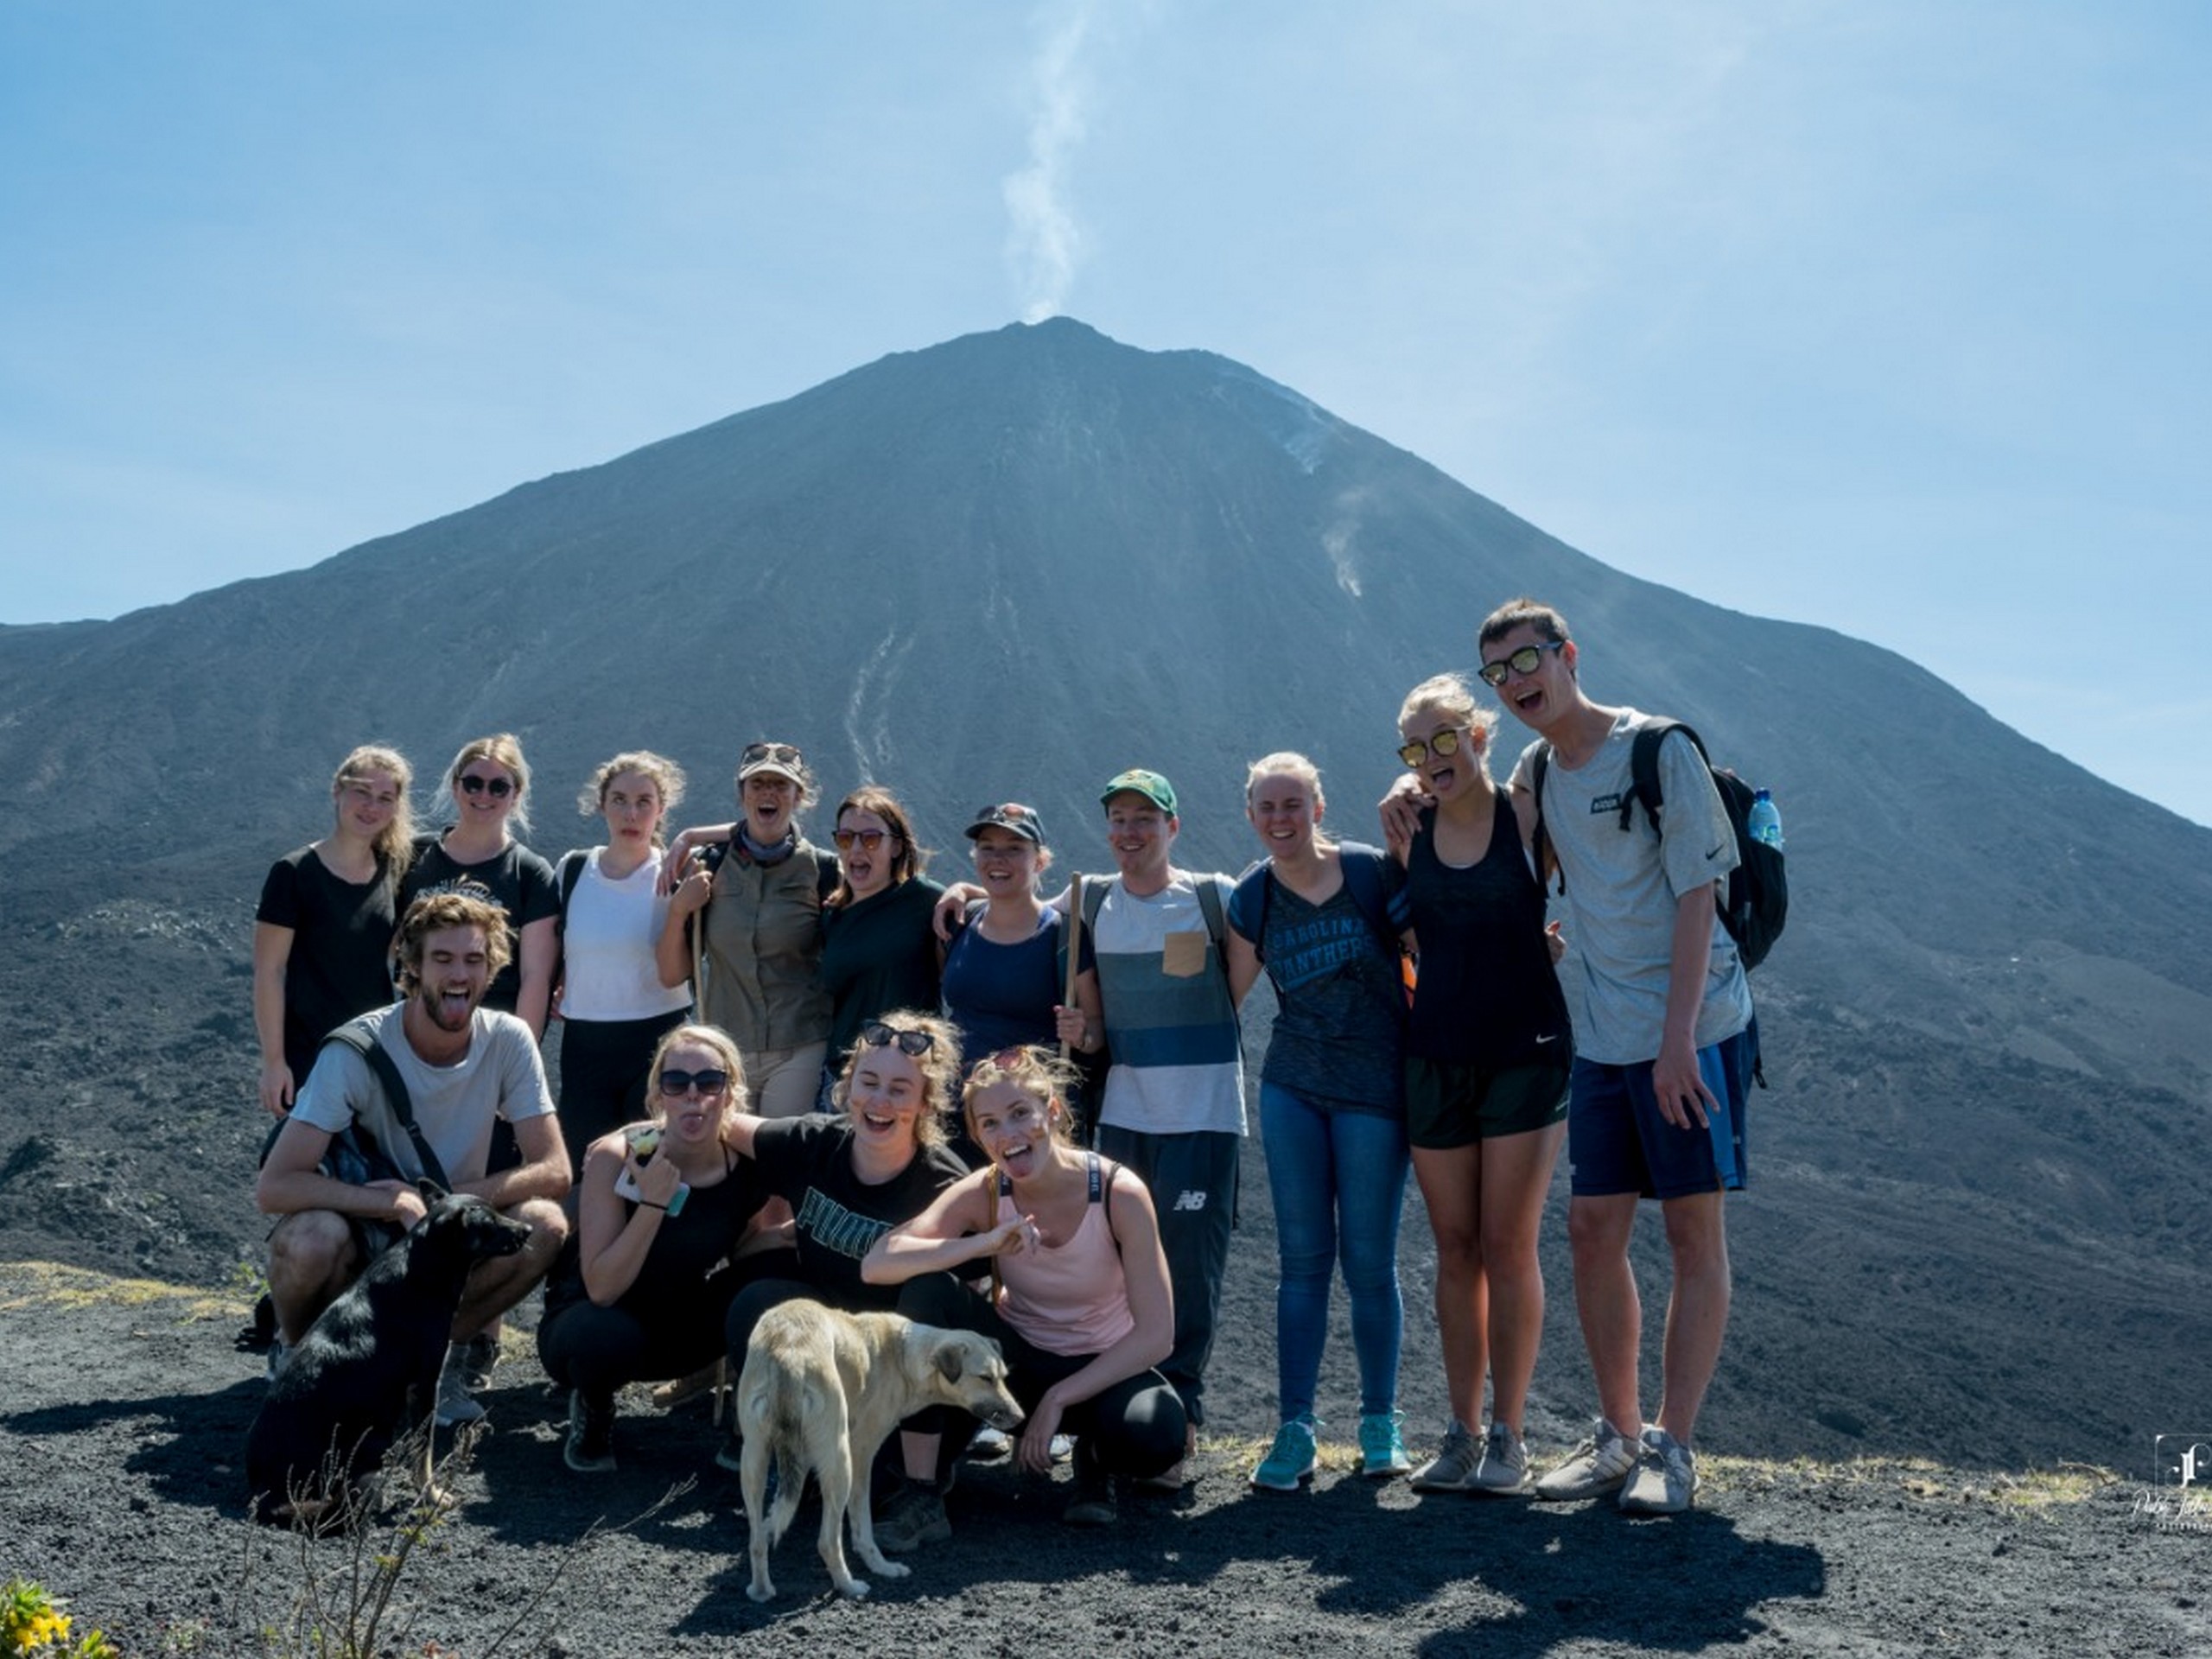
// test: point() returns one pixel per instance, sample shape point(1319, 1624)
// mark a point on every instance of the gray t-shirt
point(501, 1076)
point(1623, 888)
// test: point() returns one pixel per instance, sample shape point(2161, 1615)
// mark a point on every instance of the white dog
point(822, 1390)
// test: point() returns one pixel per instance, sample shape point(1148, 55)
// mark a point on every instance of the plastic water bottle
point(1764, 820)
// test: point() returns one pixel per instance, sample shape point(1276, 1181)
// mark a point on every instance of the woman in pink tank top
point(1078, 1298)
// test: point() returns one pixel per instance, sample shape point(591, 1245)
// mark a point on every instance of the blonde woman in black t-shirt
point(322, 931)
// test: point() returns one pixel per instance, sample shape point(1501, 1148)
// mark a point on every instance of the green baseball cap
point(1150, 784)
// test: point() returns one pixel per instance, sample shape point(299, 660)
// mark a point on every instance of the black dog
point(366, 1372)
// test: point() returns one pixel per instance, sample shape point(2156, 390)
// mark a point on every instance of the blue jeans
point(1339, 1184)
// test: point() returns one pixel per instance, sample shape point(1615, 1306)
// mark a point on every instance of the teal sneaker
point(1382, 1449)
point(1290, 1460)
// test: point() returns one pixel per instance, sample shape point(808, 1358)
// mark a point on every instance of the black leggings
point(583, 1345)
point(603, 1077)
point(1135, 1428)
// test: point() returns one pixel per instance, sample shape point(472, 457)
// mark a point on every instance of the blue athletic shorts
point(1618, 1141)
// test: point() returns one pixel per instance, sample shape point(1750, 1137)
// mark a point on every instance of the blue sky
point(1887, 316)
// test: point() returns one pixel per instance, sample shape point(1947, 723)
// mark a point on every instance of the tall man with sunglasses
point(464, 1068)
point(1173, 1108)
point(1664, 1047)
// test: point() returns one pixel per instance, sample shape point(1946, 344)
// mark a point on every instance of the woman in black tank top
point(1487, 1052)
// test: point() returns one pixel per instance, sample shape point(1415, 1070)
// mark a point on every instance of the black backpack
point(1757, 906)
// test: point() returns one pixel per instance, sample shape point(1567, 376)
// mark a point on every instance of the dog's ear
point(951, 1360)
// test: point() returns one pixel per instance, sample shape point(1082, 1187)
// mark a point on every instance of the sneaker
point(279, 1356)
point(1172, 1479)
point(1454, 1465)
point(1290, 1460)
point(590, 1449)
point(478, 1356)
point(456, 1402)
point(990, 1445)
point(730, 1455)
point(1504, 1468)
point(1597, 1466)
point(1093, 1504)
point(913, 1516)
point(1382, 1448)
point(1062, 1448)
point(1665, 1480)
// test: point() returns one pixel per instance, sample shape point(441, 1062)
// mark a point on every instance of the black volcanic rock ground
point(124, 1405)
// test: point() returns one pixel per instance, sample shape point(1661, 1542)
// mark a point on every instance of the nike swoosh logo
point(1540, 1041)
point(1714, 852)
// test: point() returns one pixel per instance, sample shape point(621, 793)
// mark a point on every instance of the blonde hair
point(1288, 763)
point(737, 1099)
point(502, 749)
point(939, 1066)
point(435, 911)
point(666, 777)
point(1451, 695)
point(1037, 1073)
point(394, 846)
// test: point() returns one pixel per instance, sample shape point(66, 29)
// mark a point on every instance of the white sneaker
point(1665, 1479)
point(1600, 1464)
point(1504, 1468)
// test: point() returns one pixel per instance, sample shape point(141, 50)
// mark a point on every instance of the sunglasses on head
point(913, 1044)
point(712, 1081)
point(786, 753)
point(1522, 661)
point(1443, 744)
point(497, 788)
point(867, 840)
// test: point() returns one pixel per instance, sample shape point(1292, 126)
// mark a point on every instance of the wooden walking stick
point(1075, 951)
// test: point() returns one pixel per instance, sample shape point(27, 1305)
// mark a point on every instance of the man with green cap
point(1173, 1109)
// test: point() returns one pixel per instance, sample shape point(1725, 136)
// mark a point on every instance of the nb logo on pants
point(1187, 1199)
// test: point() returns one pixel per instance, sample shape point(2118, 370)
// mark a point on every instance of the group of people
point(788, 1070)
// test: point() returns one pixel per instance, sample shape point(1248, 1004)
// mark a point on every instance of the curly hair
point(436, 911)
point(939, 1064)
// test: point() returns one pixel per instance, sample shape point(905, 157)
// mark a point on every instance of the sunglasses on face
point(787, 753)
point(497, 788)
point(867, 840)
point(710, 1082)
point(1522, 661)
point(913, 1044)
point(1443, 744)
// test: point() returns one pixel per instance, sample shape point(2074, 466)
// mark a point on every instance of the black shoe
point(1093, 1504)
point(590, 1449)
point(912, 1517)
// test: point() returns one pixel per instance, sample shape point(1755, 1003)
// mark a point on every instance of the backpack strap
point(1255, 895)
point(568, 873)
point(1643, 768)
point(825, 873)
point(357, 1036)
point(1540, 842)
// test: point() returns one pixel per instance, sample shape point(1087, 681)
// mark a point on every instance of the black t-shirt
point(1486, 994)
point(340, 964)
point(519, 882)
point(878, 956)
point(807, 1163)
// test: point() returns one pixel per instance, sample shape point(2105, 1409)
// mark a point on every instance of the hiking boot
point(456, 1401)
point(1454, 1465)
point(1595, 1468)
point(590, 1449)
point(478, 1356)
point(913, 1516)
point(1093, 1504)
point(1665, 1480)
point(1290, 1460)
point(1382, 1448)
point(1503, 1471)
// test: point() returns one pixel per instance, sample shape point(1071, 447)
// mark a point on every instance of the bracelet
point(647, 1203)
